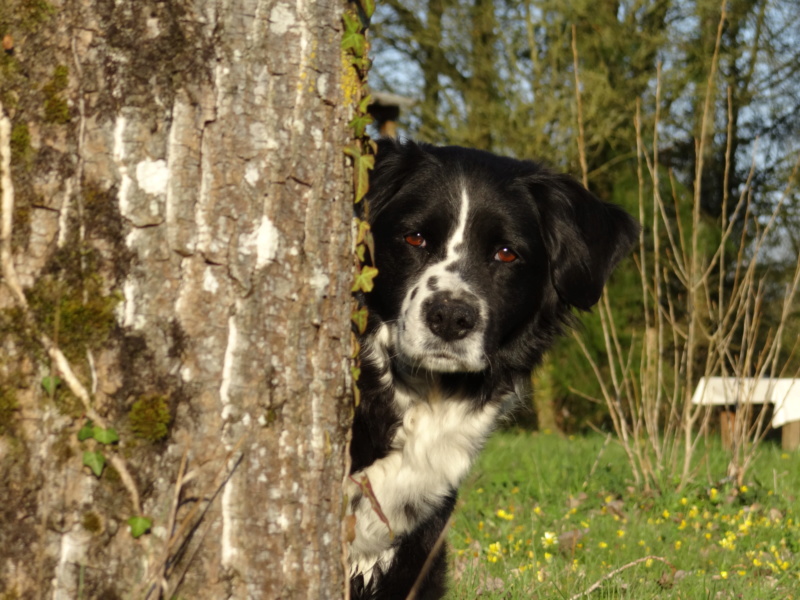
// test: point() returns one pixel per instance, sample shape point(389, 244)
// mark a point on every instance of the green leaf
point(369, 7)
point(95, 461)
point(353, 39)
point(50, 383)
point(355, 372)
point(364, 104)
point(140, 526)
point(364, 279)
point(352, 24)
point(105, 436)
point(360, 318)
point(363, 165)
point(86, 432)
point(359, 124)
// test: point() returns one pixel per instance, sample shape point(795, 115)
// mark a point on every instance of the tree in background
point(174, 388)
point(505, 82)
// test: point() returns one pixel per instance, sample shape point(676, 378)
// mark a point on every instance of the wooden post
point(727, 425)
point(790, 436)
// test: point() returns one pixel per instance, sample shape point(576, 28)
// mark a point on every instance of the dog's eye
point(415, 239)
point(505, 255)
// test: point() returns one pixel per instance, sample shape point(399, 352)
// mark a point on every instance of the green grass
point(533, 523)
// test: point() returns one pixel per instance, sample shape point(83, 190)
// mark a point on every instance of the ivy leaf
point(95, 461)
point(139, 526)
point(353, 39)
point(368, 6)
point(364, 279)
point(362, 164)
point(360, 318)
point(105, 436)
point(363, 106)
point(50, 383)
point(359, 124)
point(87, 431)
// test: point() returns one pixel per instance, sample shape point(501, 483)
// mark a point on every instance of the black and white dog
point(480, 259)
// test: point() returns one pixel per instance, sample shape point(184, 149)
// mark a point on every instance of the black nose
point(449, 318)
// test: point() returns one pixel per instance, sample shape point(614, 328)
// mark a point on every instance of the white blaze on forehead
point(461, 226)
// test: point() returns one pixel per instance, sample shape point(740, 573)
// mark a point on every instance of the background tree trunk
point(182, 232)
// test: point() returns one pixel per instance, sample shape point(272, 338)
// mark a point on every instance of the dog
point(481, 260)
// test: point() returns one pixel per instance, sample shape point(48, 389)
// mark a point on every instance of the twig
point(611, 574)
point(581, 138)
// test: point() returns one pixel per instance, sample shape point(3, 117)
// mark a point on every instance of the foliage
point(679, 113)
point(361, 151)
point(546, 516)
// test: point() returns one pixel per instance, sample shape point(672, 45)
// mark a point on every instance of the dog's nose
point(450, 318)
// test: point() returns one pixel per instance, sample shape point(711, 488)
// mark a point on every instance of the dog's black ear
point(585, 237)
point(395, 162)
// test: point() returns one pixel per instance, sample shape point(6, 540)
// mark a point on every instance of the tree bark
point(178, 217)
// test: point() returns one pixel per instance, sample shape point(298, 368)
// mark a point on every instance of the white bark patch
point(266, 242)
point(128, 304)
point(74, 545)
point(153, 176)
point(281, 19)
point(229, 550)
point(210, 283)
point(319, 282)
point(63, 215)
point(119, 158)
point(252, 173)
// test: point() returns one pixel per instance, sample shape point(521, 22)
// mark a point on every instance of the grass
point(543, 516)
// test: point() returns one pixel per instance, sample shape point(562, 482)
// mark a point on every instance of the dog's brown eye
point(415, 239)
point(505, 255)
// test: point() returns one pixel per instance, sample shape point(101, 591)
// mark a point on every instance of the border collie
point(481, 259)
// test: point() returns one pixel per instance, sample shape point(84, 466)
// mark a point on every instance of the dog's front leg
point(434, 449)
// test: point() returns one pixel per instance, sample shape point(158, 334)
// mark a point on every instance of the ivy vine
point(361, 151)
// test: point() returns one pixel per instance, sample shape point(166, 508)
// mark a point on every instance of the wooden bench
point(729, 392)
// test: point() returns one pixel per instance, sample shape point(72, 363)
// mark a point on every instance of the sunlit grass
point(532, 523)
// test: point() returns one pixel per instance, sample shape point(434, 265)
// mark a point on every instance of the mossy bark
point(181, 228)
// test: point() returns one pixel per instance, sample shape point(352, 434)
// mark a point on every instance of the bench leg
point(727, 425)
point(790, 436)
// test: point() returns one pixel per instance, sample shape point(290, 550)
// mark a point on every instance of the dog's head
point(480, 257)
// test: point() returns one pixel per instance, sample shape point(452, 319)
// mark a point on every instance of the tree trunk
point(177, 213)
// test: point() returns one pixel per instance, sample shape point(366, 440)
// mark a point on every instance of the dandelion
point(665, 514)
point(537, 510)
point(723, 574)
point(548, 557)
point(743, 489)
point(603, 545)
point(713, 493)
point(620, 533)
point(648, 563)
point(504, 515)
point(684, 501)
point(678, 544)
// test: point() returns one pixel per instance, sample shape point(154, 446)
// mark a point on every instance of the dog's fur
point(480, 260)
